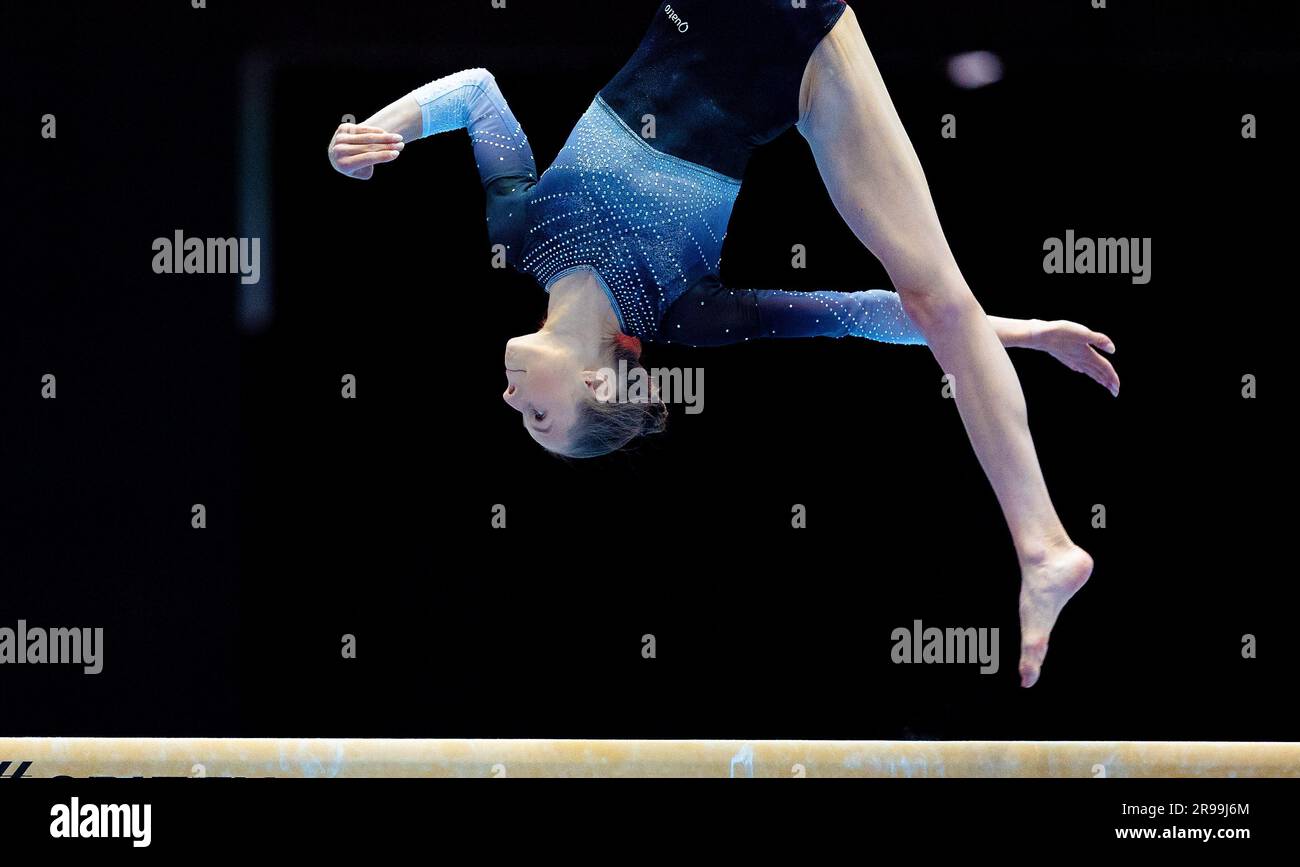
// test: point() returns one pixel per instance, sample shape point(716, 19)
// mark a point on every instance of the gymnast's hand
point(1076, 347)
point(356, 149)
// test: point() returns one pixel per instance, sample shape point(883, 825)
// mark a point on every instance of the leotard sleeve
point(471, 100)
point(711, 314)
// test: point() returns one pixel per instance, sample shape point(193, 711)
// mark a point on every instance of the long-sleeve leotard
point(711, 314)
point(647, 214)
point(471, 100)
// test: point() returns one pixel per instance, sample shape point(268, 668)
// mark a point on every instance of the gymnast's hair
point(605, 426)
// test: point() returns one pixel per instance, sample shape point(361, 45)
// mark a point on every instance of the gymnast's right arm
point(468, 100)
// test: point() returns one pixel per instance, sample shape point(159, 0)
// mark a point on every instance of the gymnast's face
point(546, 383)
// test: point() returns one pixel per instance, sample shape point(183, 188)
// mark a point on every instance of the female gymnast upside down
point(625, 232)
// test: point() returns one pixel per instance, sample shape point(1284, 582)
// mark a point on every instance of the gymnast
point(625, 232)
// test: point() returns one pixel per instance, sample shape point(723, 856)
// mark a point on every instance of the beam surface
point(469, 758)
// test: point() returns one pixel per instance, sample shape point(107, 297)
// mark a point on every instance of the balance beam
point(364, 757)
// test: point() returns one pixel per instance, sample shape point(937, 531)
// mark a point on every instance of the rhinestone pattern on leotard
point(648, 224)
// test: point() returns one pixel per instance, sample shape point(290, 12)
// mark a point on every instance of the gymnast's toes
point(1032, 653)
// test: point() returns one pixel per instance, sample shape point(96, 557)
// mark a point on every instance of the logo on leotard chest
point(680, 23)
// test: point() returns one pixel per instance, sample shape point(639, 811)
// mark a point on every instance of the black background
point(372, 517)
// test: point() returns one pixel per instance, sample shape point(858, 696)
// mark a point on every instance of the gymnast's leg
point(876, 183)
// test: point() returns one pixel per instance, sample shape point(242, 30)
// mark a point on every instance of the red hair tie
point(628, 342)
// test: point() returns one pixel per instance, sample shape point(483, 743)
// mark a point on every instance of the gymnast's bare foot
point(1046, 584)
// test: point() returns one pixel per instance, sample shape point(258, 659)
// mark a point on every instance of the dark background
point(372, 516)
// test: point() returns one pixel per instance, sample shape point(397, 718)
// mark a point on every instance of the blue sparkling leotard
point(647, 213)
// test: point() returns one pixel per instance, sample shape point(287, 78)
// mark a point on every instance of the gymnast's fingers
point(353, 149)
point(357, 128)
point(1104, 372)
point(367, 138)
point(356, 161)
point(1096, 338)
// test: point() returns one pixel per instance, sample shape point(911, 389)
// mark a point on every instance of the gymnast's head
point(567, 391)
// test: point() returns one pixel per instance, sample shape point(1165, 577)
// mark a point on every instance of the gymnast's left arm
point(711, 314)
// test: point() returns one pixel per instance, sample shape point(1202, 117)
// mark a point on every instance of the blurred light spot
point(975, 69)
